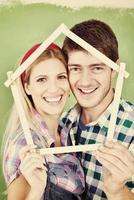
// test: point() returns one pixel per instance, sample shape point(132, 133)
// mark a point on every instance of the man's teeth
point(53, 99)
point(87, 91)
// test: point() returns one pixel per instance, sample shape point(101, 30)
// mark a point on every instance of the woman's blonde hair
point(14, 124)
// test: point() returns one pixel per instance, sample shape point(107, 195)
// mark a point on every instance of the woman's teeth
point(53, 99)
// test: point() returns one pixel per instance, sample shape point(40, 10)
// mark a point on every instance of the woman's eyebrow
point(40, 76)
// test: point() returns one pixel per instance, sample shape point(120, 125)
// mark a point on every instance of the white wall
point(76, 4)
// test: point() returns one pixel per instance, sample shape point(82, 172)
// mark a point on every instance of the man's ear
point(27, 88)
point(114, 73)
point(118, 62)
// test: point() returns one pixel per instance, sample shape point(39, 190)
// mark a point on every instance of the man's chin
point(85, 105)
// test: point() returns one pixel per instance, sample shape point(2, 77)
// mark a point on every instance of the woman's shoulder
point(18, 138)
point(11, 158)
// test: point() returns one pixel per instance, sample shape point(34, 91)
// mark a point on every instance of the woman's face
point(48, 86)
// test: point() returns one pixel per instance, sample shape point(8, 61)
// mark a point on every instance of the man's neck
point(92, 114)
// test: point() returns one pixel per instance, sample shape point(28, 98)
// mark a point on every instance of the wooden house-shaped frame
point(12, 77)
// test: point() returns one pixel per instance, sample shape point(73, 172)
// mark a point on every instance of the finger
point(29, 156)
point(121, 153)
point(121, 147)
point(106, 172)
point(34, 175)
point(29, 167)
point(40, 174)
point(113, 162)
point(112, 169)
point(31, 159)
point(24, 150)
point(34, 156)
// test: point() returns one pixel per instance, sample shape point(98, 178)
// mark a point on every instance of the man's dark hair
point(96, 33)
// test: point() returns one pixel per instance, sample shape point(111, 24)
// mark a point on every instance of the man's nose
point(85, 78)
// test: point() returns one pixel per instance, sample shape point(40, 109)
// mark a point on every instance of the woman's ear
point(27, 88)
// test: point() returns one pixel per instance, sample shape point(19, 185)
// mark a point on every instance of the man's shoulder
point(126, 106)
point(126, 111)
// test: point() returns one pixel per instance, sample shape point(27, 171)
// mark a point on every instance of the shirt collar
point(49, 140)
point(103, 120)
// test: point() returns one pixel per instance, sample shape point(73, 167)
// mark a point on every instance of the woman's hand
point(34, 171)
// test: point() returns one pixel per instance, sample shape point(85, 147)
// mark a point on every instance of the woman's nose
point(53, 86)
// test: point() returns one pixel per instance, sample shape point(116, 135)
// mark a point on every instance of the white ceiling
point(79, 3)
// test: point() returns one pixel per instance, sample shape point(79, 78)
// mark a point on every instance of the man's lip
point(87, 91)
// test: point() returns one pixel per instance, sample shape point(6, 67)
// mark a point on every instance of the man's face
point(90, 79)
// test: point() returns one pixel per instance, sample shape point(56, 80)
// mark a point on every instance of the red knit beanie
point(31, 50)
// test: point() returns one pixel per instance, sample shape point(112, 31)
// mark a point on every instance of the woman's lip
point(53, 99)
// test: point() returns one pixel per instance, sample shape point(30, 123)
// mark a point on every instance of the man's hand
point(118, 163)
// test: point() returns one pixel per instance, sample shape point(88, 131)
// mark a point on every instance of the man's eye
point(97, 69)
point(41, 80)
point(62, 77)
point(74, 69)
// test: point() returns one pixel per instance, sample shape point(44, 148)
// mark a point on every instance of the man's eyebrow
point(76, 65)
point(92, 65)
point(97, 64)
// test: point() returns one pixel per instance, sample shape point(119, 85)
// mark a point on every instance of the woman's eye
point(41, 80)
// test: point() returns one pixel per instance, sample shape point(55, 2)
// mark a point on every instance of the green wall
point(22, 26)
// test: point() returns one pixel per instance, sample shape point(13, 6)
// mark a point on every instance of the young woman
point(44, 90)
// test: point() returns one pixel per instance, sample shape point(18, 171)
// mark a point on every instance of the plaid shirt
point(96, 132)
point(64, 170)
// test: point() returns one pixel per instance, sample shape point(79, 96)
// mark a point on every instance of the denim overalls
point(53, 192)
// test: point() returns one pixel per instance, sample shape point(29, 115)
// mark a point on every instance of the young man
point(109, 170)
